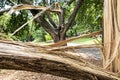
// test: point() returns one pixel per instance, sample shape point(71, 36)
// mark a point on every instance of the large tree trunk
point(59, 36)
point(29, 57)
point(111, 59)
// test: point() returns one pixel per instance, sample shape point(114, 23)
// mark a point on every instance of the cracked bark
point(35, 58)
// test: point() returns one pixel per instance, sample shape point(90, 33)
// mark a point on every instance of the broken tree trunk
point(111, 59)
point(29, 57)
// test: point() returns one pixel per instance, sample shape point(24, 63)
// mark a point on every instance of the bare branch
point(25, 6)
point(44, 23)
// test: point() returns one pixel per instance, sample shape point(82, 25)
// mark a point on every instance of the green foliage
point(90, 15)
point(39, 35)
point(88, 40)
point(4, 21)
point(36, 32)
point(48, 37)
point(89, 19)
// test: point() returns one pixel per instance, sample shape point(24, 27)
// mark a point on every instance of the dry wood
point(74, 38)
point(113, 55)
point(76, 47)
point(112, 35)
point(20, 56)
point(25, 6)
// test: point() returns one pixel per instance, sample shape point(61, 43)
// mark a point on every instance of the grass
point(86, 40)
point(78, 41)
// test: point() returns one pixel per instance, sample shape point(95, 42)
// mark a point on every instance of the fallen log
point(22, 56)
point(76, 47)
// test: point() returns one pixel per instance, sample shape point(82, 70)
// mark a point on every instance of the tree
point(26, 56)
point(58, 29)
point(111, 56)
point(89, 16)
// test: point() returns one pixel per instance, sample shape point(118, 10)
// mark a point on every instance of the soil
point(25, 75)
point(87, 53)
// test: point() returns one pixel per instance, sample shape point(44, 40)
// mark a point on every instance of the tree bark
point(30, 57)
point(111, 59)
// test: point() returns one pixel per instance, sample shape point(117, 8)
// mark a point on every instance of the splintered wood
point(111, 59)
point(35, 58)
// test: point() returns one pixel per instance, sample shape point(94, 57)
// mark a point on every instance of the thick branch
point(73, 15)
point(43, 23)
point(21, 56)
point(46, 25)
point(51, 21)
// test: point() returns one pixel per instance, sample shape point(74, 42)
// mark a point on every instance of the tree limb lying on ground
point(25, 56)
point(74, 38)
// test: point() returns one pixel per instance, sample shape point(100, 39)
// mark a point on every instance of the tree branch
point(51, 21)
point(20, 56)
point(43, 23)
point(25, 6)
point(73, 15)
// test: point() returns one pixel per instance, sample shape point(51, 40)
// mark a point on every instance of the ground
point(24, 75)
point(87, 53)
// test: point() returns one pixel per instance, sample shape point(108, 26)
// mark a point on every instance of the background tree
point(57, 29)
point(89, 17)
